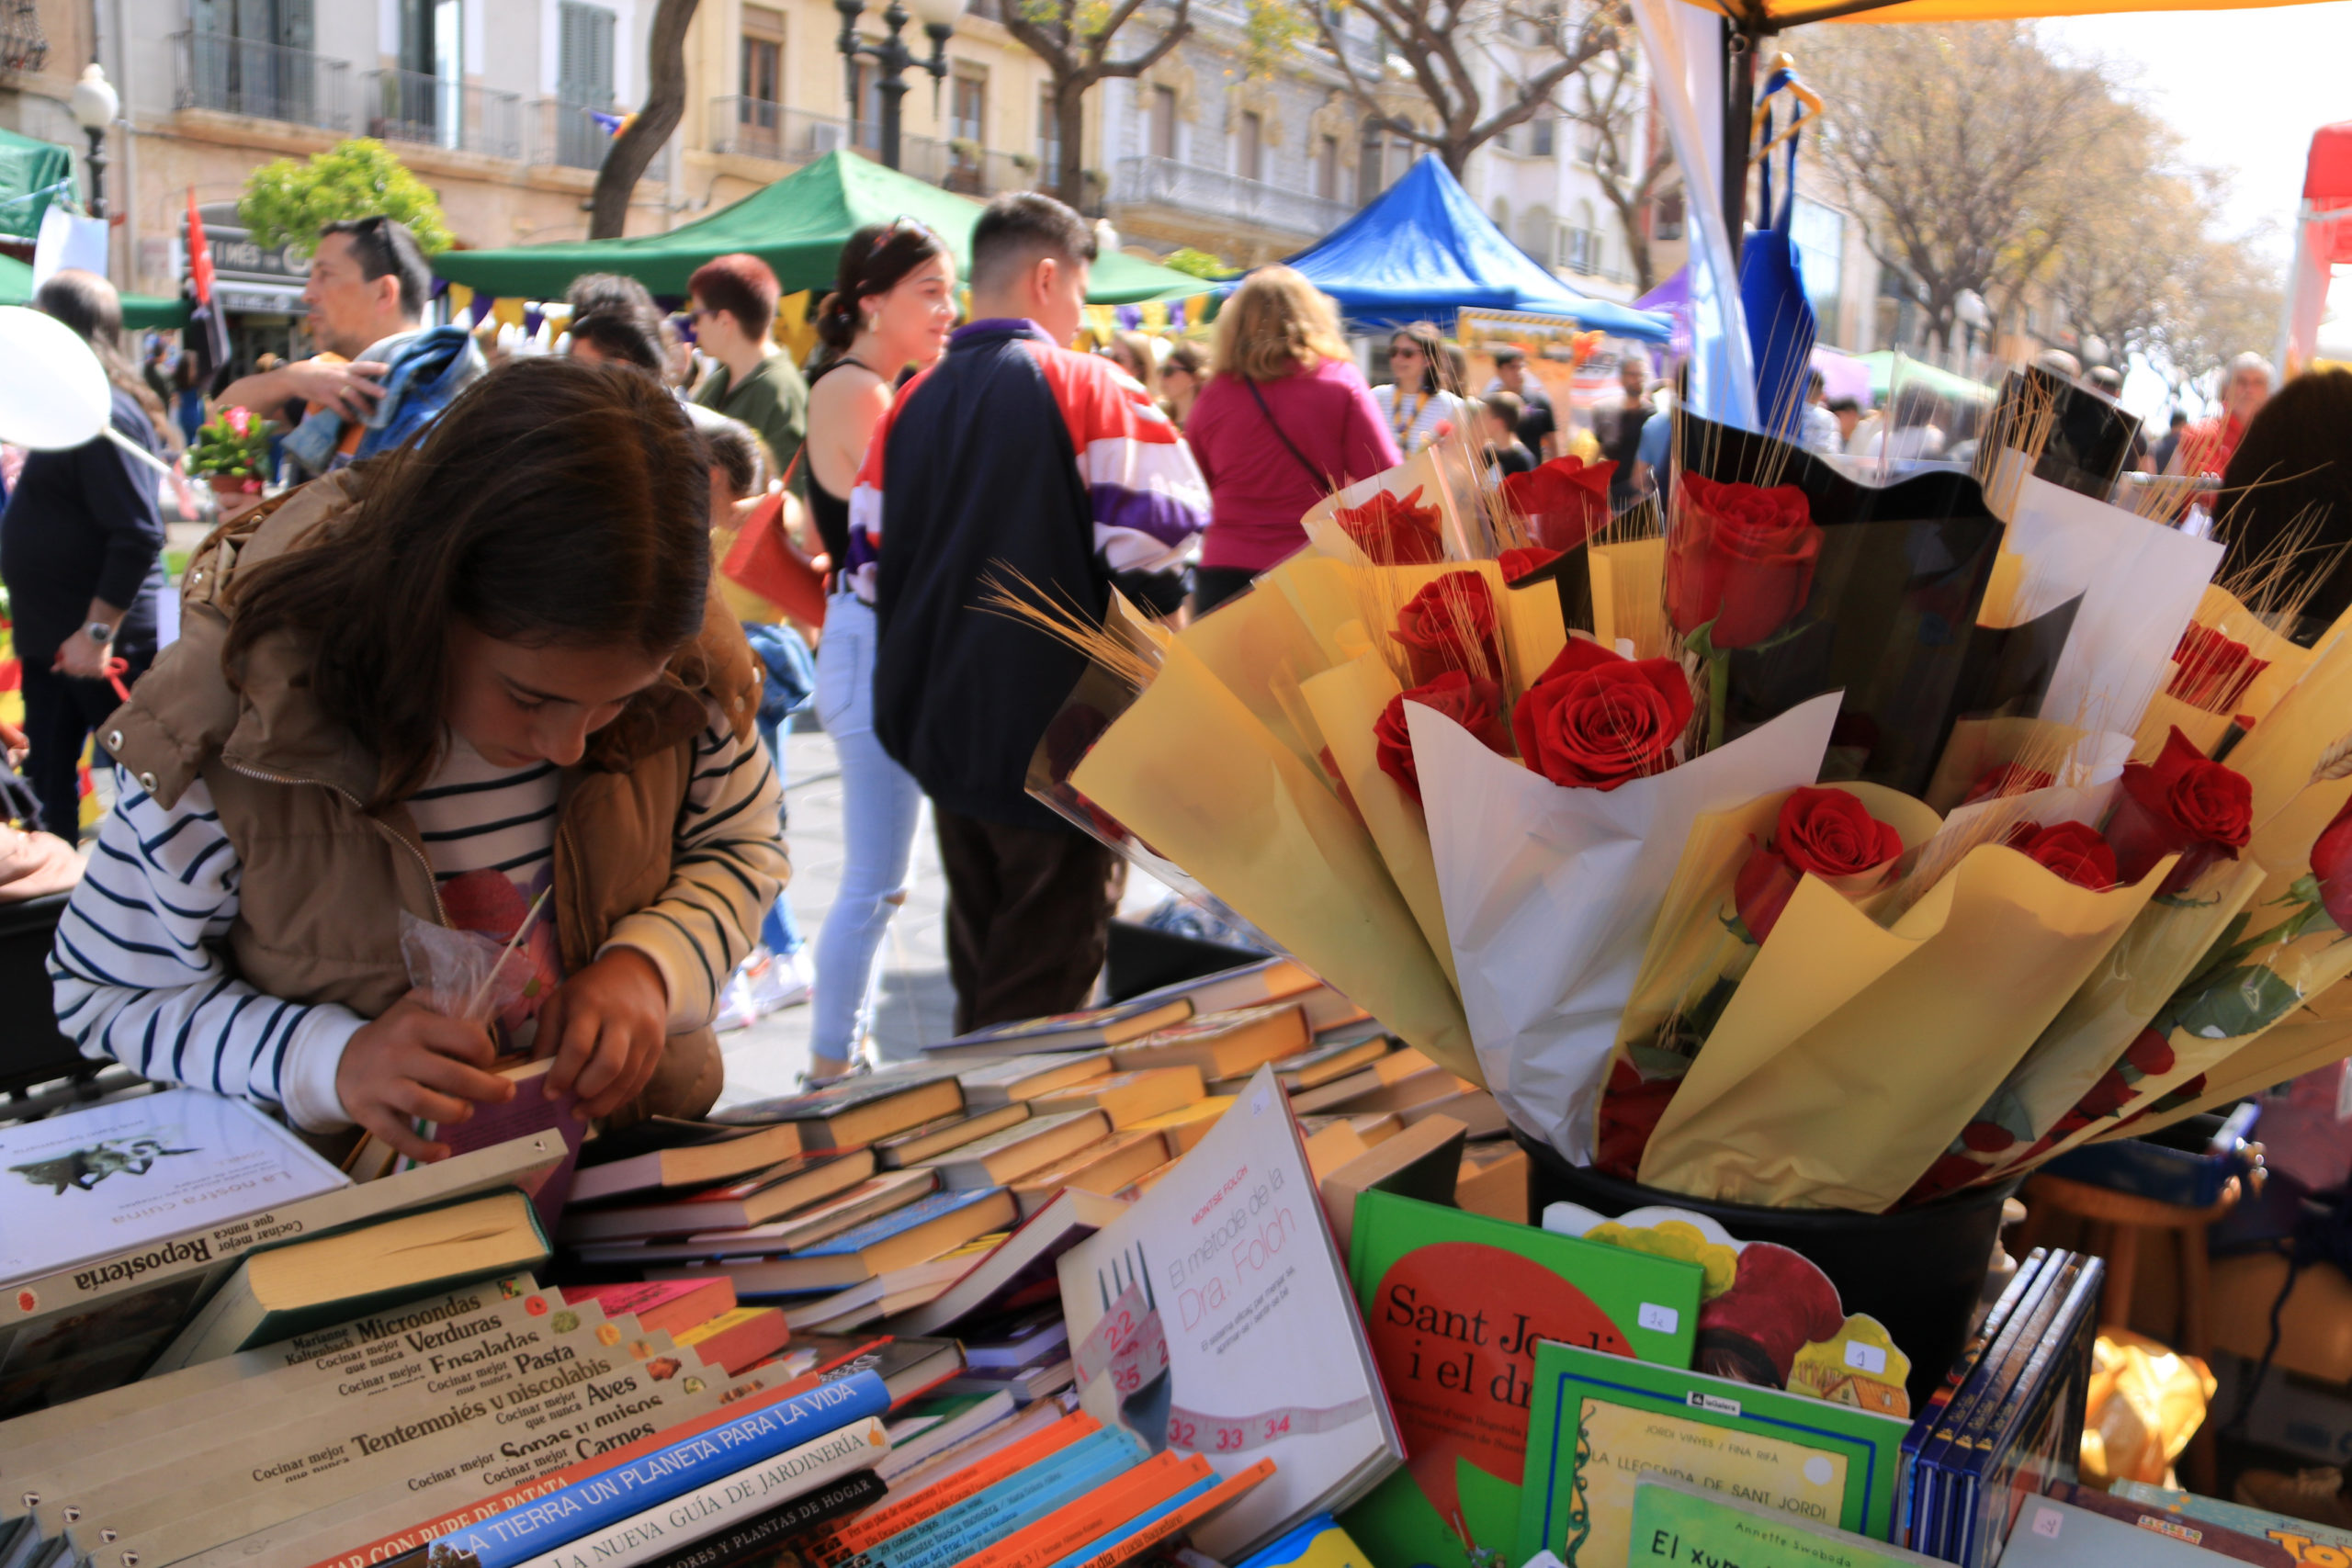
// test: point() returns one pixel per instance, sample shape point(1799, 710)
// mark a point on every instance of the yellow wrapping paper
point(1851, 1055)
point(1976, 746)
point(2166, 712)
point(1257, 645)
point(2288, 661)
point(1321, 591)
point(1192, 771)
point(1628, 595)
point(1690, 945)
point(1347, 701)
point(1421, 471)
point(2278, 754)
point(2320, 1034)
point(1329, 596)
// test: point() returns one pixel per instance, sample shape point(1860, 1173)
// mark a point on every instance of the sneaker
point(736, 1007)
point(2315, 1494)
point(780, 983)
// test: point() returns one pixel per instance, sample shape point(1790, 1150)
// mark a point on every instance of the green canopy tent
point(31, 174)
point(1944, 383)
point(797, 226)
point(138, 310)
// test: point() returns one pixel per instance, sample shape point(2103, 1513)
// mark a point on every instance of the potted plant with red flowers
point(231, 451)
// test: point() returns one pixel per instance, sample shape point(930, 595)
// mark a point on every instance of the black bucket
point(1919, 1271)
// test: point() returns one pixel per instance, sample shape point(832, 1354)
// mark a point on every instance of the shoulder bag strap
point(1322, 481)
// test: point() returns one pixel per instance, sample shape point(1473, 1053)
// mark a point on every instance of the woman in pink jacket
point(1286, 420)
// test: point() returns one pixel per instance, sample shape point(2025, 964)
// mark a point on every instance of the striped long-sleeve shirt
point(140, 972)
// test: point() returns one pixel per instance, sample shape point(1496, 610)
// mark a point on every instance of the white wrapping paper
point(1550, 896)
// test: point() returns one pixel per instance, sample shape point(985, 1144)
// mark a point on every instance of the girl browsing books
point(483, 669)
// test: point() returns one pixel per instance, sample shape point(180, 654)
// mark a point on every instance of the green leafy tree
point(1200, 263)
point(285, 203)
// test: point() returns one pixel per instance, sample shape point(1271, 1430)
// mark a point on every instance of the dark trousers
point(60, 713)
point(1028, 917)
point(1212, 585)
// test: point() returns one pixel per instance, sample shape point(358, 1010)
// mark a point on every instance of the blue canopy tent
point(1422, 251)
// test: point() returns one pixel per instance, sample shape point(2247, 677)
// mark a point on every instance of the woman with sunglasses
point(892, 306)
point(1417, 406)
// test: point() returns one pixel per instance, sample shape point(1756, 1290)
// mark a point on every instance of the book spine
point(693, 1517)
point(694, 1416)
point(591, 1407)
point(766, 1537)
point(1980, 1469)
point(954, 1534)
point(1181, 1514)
point(1969, 1419)
point(1907, 1515)
point(917, 1506)
point(347, 1347)
point(476, 1353)
point(517, 1535)
point(1109, 1505)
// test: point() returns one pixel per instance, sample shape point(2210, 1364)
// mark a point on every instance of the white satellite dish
point(53, 392)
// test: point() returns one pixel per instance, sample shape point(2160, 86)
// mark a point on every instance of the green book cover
point(1598, 1421)
point(1454, 1305)
point(1675, 1522)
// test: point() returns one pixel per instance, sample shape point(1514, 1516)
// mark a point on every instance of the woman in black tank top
point(893, 308)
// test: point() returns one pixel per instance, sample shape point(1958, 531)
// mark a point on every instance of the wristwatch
point(99, 633)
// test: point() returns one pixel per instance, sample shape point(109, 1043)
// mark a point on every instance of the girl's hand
point(605, 1027)
point(413, 1063)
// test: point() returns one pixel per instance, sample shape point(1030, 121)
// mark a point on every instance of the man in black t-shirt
point(1538, 427)
point(1621, 432)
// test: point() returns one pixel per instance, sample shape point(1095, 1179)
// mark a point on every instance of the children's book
point(2296, 1535)
point(2051, 1534)
point(1677, 1523)
point(1598, 1420)
point(1215, 1317)
point(1455, 1305)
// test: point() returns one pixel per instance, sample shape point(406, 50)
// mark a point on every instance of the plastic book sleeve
point(1544, 995)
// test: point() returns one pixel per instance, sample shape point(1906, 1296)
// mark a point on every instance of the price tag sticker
point(1658, 1319)
point(2048, 1523)
point(1866, 1357)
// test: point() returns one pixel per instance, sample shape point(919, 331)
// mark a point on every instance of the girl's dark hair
point(736, 450)
point(618, 316)
point(554, 503)
point(88, 304)
point(1433, 359)
point(2294, 469)
point(876, 259)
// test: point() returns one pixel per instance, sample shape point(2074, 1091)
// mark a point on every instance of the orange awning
point(1772, 16)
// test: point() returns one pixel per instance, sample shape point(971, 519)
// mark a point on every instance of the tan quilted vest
point(323, 880)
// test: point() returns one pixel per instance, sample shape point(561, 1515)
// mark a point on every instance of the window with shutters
point(1372, 163)
point(1542, 136)
point(762, 54)
point(1049, 134)
point(1163, 122)
point(969, 110)
point(1250, 155)
point(239, 61)
point(1326, 168)
point(583, 83)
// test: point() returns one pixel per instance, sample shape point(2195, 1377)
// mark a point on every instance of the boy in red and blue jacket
point(1012, 452)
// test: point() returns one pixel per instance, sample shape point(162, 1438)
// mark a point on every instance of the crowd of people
point(469, 666)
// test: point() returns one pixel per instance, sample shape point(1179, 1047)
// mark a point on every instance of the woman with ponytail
point(892, 308)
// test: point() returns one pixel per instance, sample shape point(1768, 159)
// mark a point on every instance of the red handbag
point(766, 560)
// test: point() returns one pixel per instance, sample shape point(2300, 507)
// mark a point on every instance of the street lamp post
point(892, 57)
point(93, 104)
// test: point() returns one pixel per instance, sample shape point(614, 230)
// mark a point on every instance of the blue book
point(530, 1529)
point(1013, 1504)
point(1105, 1542)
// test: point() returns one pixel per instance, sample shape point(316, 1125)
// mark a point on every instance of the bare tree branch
point(1075, 50)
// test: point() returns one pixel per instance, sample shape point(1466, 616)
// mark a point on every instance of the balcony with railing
point(570, 135)
point(438, 111)
point(1164, 181)
point(266, 81)
point(755, 128)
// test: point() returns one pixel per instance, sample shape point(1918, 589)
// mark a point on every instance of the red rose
point(1450, 625)
point(2073, 850)
point(2150, 1053)
point(1986, 1137)
point(2006, 779)
point(1525, 560)
point(1475, 704)
point(1825, 831)
point(1592, 720)
point(1566, 502)
point(2211, 671)
point(2332, 868)
point(2184, 802)
point(1741, 557)
point(1393, 530)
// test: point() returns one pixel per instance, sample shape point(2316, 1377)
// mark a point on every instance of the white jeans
point(880, 805)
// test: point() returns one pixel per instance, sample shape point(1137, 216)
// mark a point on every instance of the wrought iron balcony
point(266, 81)
point(436, 111)
point(1165, 182)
